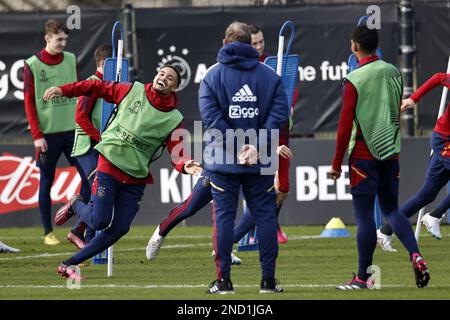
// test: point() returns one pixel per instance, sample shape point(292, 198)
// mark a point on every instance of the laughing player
point(142, 125)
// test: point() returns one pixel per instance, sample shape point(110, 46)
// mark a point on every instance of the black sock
point(387, 229)
point(77, 233)
point(69, 262)
point(436, 214)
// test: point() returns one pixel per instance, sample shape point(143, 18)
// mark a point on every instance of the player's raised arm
point(111, 91)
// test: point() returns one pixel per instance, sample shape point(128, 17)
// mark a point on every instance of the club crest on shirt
point(42, 157)
point(206, 181)
point(101, 191)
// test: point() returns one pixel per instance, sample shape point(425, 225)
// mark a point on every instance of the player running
point(88, 116)
point(438, 171)
point(201, 197)
point(138, 130)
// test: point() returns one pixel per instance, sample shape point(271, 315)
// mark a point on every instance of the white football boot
point(432, 225)
point(234, 259)
point(154, 244)
point(385, 241)
point(7, 249)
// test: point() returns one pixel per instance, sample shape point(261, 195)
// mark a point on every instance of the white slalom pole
point(444, 94)
point(118, 78)
point(119, 60)
point(110, 260)
point(280, 55)
point(441, 112)
point(419, 224)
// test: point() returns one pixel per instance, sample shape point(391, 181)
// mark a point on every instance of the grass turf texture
point(308, 268)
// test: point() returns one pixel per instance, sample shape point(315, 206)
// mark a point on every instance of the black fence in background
point(191, 37)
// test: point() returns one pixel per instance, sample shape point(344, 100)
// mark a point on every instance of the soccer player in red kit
point(139, 129)
point(438, 171)
point(51, 122)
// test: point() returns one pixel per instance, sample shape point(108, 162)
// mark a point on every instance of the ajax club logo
point(175, 59)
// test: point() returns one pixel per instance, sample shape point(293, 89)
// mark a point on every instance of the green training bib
point(136, 135)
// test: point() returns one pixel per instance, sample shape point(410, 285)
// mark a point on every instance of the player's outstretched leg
point(421, 271)
point(385, 241)
point(67, 211)
point(7, 249)
point(433, 225)
point(126, 205)
point(154, 244)
point(404, 232)
point(198, 199)
point(76, 235)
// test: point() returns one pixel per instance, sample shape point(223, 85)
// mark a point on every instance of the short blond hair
point(238, 31)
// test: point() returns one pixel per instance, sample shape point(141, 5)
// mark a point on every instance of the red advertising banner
point(19, 183)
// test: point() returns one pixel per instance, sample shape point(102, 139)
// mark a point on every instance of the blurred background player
point(369, 126)
point(88, 116)
point(51, 122)
point(7, 249)
point(438, 171)
point(282, 177)
point(145, 117)
point(238, 66)
point(197, 200)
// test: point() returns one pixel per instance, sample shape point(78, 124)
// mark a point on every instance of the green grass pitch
point(308, 267)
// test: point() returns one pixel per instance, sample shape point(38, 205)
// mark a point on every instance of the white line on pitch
point(184, 286)
point(175, 246)
point(42, 255)
point(126, 237)
point(46, 255)
point(291, 237)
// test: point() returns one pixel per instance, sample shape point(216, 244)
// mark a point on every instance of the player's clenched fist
point(407, 104)
point(334, 174)
point(51, 93)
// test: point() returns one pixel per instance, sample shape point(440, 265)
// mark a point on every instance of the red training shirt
point(443, 79)
point(83, 112)
point(29, 92)
point(114, 92)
